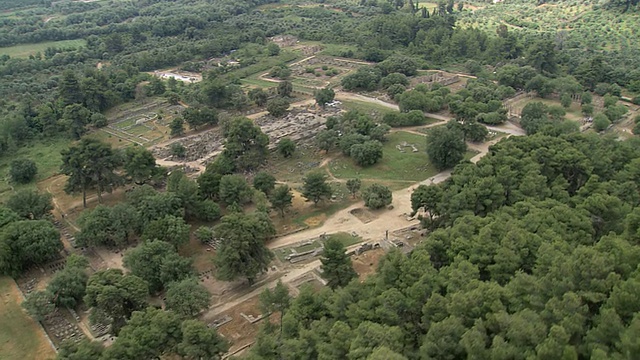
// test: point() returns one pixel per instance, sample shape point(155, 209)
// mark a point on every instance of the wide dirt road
point(343, 221)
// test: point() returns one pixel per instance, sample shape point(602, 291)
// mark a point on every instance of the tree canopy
point(445, 147)
point(27, 243)
point(315, 187)
point(30, 204)
point(245, 144)
point(90, 164)
point(336, 264)
point(533, 253)
point(243, 253)
point(113, 297)
point(158, 263)
point(187, 297)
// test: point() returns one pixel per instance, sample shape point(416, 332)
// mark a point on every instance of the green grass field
point(24, 50)
point(45, 153)
point(407, 166)
point(367, 108)
point(394, 165)
point(20, 337)
point(573, 113)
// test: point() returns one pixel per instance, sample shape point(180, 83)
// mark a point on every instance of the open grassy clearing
point(293, 169)
point(573, 113)
point(395, 165)
point(262, 66)
point(24, 50)
point(45, 153)
point(20, 337)
point(376, 110)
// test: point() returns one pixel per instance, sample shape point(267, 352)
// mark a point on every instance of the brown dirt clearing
point(239, 331)
point(366, 263)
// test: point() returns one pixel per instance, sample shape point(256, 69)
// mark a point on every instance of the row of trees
point(144, 331)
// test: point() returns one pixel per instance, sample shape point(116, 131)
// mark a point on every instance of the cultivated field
point(24, 50)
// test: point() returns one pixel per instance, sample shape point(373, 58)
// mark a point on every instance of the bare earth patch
point(316, 220)
point(239, 331)
point(363, 215)
point(367, 263)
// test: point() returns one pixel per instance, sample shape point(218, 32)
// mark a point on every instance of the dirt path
point(387, 219)
point(340, 95)
point(343, 221)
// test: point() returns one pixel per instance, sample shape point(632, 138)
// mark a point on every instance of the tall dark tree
point(235, 189)
point(69, 89)
point(91, 163)
point(278, 106)
point(326, 139)
point(285, 88)
point(377, 196)
point(281, 199)
point(324, 96)
point(286, 147)
point(81, 350)
point(177, 127)
point(258, 96)
point(445, 147)
point(68, 285)
point(315, 187)
point(353, 185)
point(243, 253)
point(23, 171)
point(140, 165)
point(158, 263)
point(170, 229)
point(245, 144)
point(201, 342)
point(39, 304)
point(149, 334)
point(187, 297)
point(276, 300)
point(336, 264)
point(74, 120)
point(108, 226)
point(264, 182)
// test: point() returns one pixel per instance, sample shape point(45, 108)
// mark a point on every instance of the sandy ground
point(366, 263)
point(10, 301)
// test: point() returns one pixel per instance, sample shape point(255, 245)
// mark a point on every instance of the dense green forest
point(533, 254)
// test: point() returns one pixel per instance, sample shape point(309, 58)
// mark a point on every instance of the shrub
point(23, 171)
point(377, 196)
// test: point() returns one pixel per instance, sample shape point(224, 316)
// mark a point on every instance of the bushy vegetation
point(538, 213)
point(532, 252)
